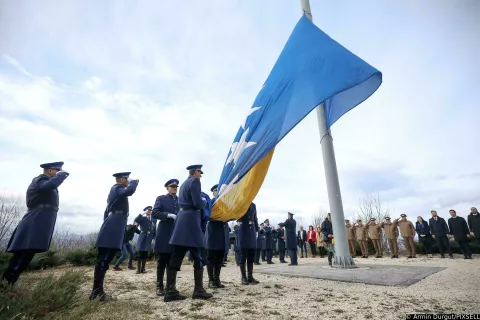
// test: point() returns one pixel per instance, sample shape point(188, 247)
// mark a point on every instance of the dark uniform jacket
point(248, 228)
point(280, 242)
point(290, 227)
point(147, 234)
point(188, 230)
point(34, 232)
point(115, 217)
point(269, 238)
point(164, 205)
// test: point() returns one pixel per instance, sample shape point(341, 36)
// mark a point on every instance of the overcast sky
point(154, 86)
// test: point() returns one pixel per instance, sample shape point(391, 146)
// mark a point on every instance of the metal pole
point(343, 259)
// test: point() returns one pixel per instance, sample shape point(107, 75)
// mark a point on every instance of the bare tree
point(371, 206)
point(11, 209)
point(319, 217)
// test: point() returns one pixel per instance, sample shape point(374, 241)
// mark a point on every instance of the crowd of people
point(180, 223)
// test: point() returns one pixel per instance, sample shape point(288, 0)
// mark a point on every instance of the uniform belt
point(183, 208)
point(145, 232)
point(118, 212)
point(44, 206)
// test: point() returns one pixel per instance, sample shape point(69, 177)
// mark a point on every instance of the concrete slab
point(376, 274)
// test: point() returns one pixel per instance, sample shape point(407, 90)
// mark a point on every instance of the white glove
point(63, 171)
point(204, 200)
point(172, 216)
point(129, 179)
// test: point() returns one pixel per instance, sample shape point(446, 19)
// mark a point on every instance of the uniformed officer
point(187, 235)
point(247, 241)
point(215, 243)
point(269, 242)
point(147, 234)
point(258, 250)
point(290, 232)
point(165, 210)
point(236, 246)
point(34, 232)
point(280, 235)
point(110, 236)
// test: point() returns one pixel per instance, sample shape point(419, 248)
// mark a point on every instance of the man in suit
point(440, 232)
point(459, 229)
point(110, 236)
point(474, 223)
point(302, 241)
point(34, 232)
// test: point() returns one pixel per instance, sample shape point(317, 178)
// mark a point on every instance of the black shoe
point(216, 276)
point(450, 256)
point(199, 292)
point(117, 268)
point(442, 256)
point(256, 263)
point(250, 277)
point(293, 264)
point(144, 262)
point(171, 293)
point(270, 262)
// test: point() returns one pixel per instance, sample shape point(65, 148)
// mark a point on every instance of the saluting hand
point(63, 171)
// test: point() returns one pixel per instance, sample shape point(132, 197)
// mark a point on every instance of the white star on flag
point(238, 148)
point(252, 110)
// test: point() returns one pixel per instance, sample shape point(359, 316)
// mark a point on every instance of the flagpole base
point(343, 262)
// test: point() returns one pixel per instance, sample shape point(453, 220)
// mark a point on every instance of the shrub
point(82, 257)
point(47, 259)
point(474, 246)
point(46, 298)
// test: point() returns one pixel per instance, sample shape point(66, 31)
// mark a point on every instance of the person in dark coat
point(127, 248)
point(459, 229)
point(424, 236)
point(280, 235)
point(165, 211)
point(216, 244)
point(188, 235)
point(302, 241)
point(474, 223)
point(144, 244)
point(111, 234)
point(290, 233)
point(263, 242)
point(327, 230)
point(227, 244)
point(34, 232)
point(440, 232)
point(259, 252)
point(269, 242)
point(247, 231)
point(236, 247)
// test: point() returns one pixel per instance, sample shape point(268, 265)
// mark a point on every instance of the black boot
point(211, 282)
point(144, 262)
point(199, 292)
point(139, 266)
point(171, 293)
point(251, 279)
point(160, 272)
point(216, 276)
point(97, 291)
point(243, 271)
point(330, 255)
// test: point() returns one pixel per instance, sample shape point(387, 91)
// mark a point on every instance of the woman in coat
point(320, 242)
point(312, 240)
point(424, 235)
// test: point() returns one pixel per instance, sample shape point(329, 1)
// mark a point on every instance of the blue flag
point(312, 69)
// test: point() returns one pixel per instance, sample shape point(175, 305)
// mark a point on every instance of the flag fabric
point(311, 69)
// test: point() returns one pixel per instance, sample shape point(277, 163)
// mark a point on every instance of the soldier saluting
point(188, 235)
point(110, 236)
point(34, 232)
point(165, 210)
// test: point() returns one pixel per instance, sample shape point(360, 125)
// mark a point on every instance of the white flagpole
point(343, 258)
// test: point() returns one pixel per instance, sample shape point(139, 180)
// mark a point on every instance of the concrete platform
point(376, 274)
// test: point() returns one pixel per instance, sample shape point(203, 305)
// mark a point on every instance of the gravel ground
point(453, 290)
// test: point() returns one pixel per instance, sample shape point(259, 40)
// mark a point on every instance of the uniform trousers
point(104, 258)
point(293, 256)
point(264, 255)
point(163, 261)
point(269, 254)
point(179, 252)
point(17, 264)
point(248, 255)
point(257, 255)
point(142, 255)
point(215, 256)
point(443, 244)
point(378, 247)
point(351, 248)
point(409, 245)
point(282, 255)
point(393, 245)
point(238, 256)
point(363, 247)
